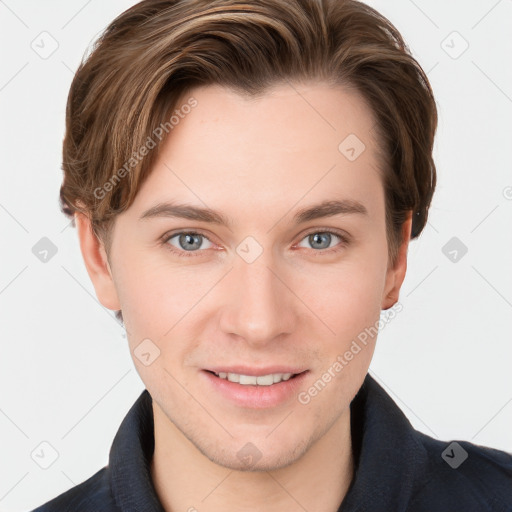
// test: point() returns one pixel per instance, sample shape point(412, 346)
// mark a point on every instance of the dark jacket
point(397, 468)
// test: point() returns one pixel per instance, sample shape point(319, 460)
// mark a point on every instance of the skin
point(257, 162)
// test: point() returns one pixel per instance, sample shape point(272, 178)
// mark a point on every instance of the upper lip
point(256, 372)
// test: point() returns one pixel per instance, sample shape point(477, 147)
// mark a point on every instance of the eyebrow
point(326, 208)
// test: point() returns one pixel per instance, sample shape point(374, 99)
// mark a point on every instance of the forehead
point(294, 141)
point(284, 116)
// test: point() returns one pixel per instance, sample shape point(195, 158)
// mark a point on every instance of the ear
point(395, 274)
point(96, 263)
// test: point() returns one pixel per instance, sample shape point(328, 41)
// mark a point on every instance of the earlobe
point(396, 274)
point(96, 263)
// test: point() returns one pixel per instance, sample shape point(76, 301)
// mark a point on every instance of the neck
point(186, 480)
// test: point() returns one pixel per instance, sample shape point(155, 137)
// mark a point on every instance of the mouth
point(271, 387)
point(256, 380)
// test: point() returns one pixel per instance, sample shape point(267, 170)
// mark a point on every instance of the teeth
point(248, 380)
point(251, 380)
point(265, 380)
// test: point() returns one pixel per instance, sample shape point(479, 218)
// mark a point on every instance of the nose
point(259, 307)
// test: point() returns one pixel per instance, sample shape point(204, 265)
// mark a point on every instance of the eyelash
point(345, 239)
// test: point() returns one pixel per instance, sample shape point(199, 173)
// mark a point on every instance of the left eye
point(321, 239)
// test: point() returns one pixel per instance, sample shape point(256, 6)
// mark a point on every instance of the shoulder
point(460, 475)
point(91, 495)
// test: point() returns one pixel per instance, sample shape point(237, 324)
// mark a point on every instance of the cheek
point(349, 298)
point(153, 296)
point(165, 303)
point(156, 303)
point(350, 305)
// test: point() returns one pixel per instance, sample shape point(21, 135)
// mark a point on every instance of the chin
point(260, 449)
point(250, 458)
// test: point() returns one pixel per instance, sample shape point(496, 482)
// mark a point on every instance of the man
point(245, 180)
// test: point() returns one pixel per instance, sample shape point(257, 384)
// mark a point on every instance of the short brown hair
point(158, 50)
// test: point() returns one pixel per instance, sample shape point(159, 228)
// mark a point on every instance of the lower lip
point(253, 396)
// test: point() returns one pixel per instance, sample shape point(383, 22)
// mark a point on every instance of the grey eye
point(320, 239)
point(188, 241)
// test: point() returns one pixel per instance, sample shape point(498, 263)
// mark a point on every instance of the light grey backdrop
point(66, 376)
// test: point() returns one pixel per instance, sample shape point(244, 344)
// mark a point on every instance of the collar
point(130, 460)
point(387, 455)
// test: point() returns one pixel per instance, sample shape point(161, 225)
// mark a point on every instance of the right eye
point(185, 242)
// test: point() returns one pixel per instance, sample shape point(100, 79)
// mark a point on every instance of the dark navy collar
point(130, 460)
point(389, 456)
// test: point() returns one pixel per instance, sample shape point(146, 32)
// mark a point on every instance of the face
point(278, 280)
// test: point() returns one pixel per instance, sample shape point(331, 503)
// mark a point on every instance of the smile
point(269, 389)
point(253, 380)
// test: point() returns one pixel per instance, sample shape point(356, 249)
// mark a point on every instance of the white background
point(66, 376)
